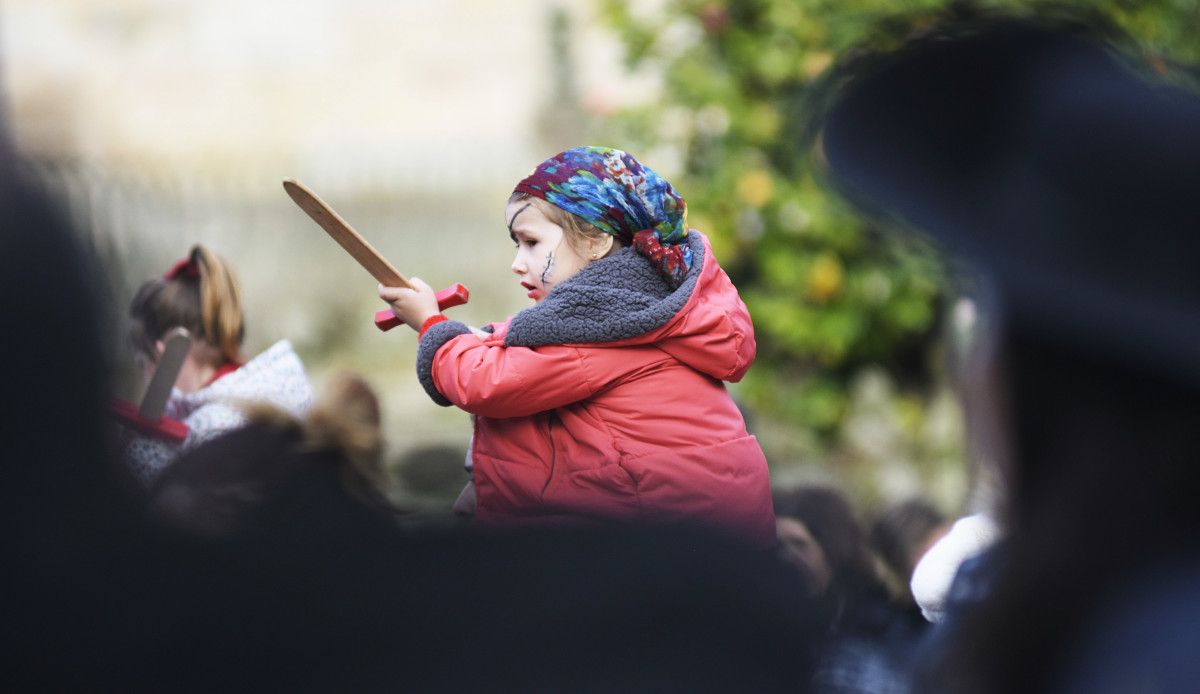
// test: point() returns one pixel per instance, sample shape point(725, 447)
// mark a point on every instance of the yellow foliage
point(762, 123)
point(755, 188)
point(815, 63)
point(824, 278)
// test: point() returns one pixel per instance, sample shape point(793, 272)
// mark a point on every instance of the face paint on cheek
point(549, 267)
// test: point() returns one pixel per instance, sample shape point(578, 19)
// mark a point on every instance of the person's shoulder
point(276, 375)
point(280, 354)
point(280, 360)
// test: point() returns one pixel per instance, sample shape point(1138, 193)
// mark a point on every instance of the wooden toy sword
point(366, 255)
point(148, 418)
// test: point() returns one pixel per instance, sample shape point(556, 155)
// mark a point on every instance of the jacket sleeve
point(747, 347)
point(494, 380)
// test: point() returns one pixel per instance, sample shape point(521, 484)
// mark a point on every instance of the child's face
point(544, 259)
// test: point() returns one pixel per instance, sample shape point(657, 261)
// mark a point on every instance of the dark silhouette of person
point(1067, 171)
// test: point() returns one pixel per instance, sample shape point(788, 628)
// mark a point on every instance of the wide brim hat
point(1068, 173)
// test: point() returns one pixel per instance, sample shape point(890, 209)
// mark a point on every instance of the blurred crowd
point(267, 553)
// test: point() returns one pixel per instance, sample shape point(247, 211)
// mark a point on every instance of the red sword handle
point(454, 295)
point(164, 428)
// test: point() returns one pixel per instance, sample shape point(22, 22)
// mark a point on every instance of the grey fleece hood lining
point(615, 298)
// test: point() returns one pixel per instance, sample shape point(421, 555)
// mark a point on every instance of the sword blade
point(344, 234)
point(178, 342)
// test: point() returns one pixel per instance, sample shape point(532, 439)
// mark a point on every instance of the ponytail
point(220, 303)
point(199, 293)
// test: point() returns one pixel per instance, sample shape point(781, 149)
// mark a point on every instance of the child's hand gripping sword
point(364, 253)
point(147, 419)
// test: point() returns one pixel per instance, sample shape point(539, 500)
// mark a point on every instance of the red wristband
point(430, 322)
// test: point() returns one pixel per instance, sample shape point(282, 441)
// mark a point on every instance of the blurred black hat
point(1068, 174)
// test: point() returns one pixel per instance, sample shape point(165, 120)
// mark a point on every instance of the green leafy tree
point(837, 305)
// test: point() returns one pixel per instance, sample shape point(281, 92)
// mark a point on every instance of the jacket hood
point(622, 300)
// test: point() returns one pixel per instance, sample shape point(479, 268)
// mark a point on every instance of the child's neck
point(194, 376)
point(199, 367)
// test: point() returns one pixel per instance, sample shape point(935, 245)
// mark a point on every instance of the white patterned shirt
point(275, 376)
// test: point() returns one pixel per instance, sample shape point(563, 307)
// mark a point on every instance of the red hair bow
point(184, 266)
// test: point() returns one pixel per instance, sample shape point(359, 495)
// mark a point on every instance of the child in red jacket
point(604, 399)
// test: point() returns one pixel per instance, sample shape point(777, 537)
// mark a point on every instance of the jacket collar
point(615, 298)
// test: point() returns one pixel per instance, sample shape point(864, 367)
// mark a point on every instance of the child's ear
point(600, 246)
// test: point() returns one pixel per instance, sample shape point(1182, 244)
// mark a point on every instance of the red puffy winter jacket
point(606, 400)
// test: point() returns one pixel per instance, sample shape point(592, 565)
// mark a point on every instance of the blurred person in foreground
point(1067, 171)
point(278, 473)
point(869, 639)
point(64, 498)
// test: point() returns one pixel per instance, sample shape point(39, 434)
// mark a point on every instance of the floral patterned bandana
point(616, 194)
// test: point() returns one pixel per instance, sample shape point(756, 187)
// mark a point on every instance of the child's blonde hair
point(200, 294)
point(576, 230)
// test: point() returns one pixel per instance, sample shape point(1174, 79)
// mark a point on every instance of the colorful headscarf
point(617, 195)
